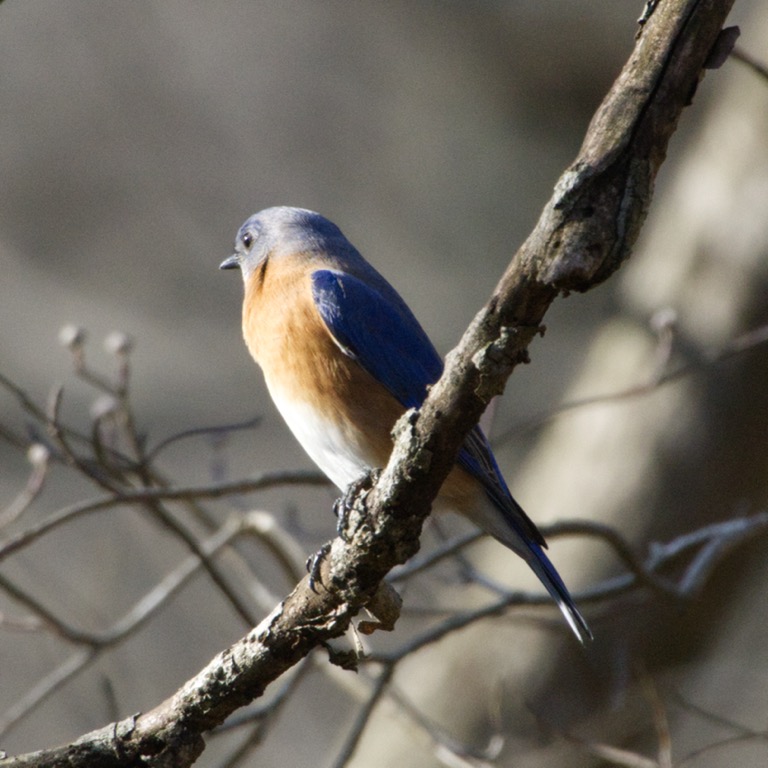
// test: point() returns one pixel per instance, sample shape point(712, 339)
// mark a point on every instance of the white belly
point(337, 451)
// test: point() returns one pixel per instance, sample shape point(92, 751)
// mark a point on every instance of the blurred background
point(136, 138)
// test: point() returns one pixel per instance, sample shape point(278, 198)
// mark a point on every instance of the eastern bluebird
point(344, 357)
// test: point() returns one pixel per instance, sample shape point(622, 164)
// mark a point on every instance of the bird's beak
point(231, 262)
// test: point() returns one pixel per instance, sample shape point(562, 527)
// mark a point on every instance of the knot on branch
point(411, 443)
point(495, 361)
point(594, 217)
point(384, 608)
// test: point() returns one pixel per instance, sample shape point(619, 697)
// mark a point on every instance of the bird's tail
point(500, 515)
point(542, 566)
point(507, 529)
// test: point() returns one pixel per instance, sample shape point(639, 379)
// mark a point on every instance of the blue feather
point(382, 336)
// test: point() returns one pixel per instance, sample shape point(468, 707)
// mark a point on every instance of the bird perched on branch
point(344, 357)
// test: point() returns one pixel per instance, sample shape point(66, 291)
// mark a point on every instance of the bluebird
point(344, 357)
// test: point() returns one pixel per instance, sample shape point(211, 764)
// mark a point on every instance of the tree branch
point(584, 234)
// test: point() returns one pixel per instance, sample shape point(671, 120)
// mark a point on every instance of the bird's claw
point(341, 508)
point(314, 562)
point(344, 506)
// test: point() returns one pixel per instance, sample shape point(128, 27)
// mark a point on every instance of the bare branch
point(757, 66)
point(97, 643)
point(584, 234)
point(659, 377)
point(363, 717)
point(37, 456)
point(261, 482)
point(222, 429)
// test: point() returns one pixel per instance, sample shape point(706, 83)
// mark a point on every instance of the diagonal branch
point(584, 234)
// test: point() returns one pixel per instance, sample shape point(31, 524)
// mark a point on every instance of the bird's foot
point(314, 562)
point(347, 508)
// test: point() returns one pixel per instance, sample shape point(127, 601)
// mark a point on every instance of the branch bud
point(72, 337)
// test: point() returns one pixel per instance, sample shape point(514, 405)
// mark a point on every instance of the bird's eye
point(247, 239)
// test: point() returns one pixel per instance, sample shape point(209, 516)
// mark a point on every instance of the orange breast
point(289, 340)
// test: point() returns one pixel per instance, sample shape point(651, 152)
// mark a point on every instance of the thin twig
point(48, 619)
point(443, 741)
point(216, 574)
point(732, 532)
point(38, 456)
point(46, 687)
point(425, 560)
point(753, 63)
point(128, 497)
point(659, 378)
point(363, 717)
point(660, 719)
point(742, 733)
point(96, 643)
point(220, 429)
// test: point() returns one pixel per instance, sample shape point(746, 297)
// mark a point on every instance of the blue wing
point(379, 332)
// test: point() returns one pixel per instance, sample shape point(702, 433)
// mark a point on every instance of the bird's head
point(281, 231)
